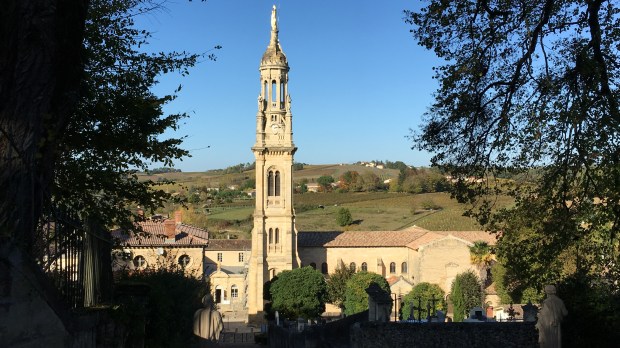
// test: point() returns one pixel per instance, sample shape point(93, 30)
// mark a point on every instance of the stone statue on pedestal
point(550, 319)
point(208, 323)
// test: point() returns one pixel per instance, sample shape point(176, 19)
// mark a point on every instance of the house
point(161, 243)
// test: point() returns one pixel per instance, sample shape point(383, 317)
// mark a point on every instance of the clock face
point(275, 128)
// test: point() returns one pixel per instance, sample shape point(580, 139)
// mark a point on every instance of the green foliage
point(356, 298)
point(118, 125)
point(162, 170)
point(425, 292)
point(430, 204)
point(343, 217)
point(299, 293)
point(465, 294)
point(337, 285)
point(530, 92)
point(326, 182)
point(171, 303)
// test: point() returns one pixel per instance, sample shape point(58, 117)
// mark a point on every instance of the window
point(313, 265)
point(403, 267)
point(273, 183)
point(218, 294)
point(273, 91)
point(234, 291)
point(324, 269)
point(352, 266)
point(240, 257)
point(393, 267)
point(277, 235)
point(184, 261)
point(219, 257)
point(281, 91)
point(270, 235)
point(277, 184)
point(266, 91)
point(364, 267)
point(139, 261)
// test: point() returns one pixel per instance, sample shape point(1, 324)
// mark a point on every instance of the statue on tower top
point(274, 21)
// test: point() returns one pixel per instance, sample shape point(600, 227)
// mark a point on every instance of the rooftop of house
point(230, 244)
point(412, 237)
point(153, 233)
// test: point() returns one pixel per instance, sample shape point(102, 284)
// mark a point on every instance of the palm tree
point(481, 255)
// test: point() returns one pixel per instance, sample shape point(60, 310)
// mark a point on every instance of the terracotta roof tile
point(153, 235)
point(412, 237)
point(230, 244)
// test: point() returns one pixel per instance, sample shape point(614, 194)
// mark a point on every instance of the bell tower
point(274, 236)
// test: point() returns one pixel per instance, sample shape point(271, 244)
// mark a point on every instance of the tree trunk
point(40, 71)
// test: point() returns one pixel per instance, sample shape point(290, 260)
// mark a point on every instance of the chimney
point(170, 229)
point(178, 217)
point(140, 213)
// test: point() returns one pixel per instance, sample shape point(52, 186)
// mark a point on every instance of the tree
point(343, 217)
point(326, 182)
point(421, 295)
point(300, 292)
point(480, 255)
point(356, 298)
point(173, 298)
point(40, 73)
point(532, 86)
point(118, 125)
point(465, 294)
point(337, 285)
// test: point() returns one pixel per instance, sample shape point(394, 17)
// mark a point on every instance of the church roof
point(153, 234)
point(412, 238)
point(230, 244)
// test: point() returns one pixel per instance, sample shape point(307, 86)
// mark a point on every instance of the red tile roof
point(412, 237)
point(230, 244)
point(154, 235)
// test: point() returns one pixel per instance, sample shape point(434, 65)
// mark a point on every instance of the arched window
point(393, 267)
point(324, 269)
point(184, 261)
point(270, 235)
point(277, 235)
point(282, 91)
point(352, 266)
point(273, 91)
point(139, 261)
point(234, 291)
point(364, 267)
point(403, 267)
point(313, 265)
point(266, 91)
point(277, 184)
point(270, 186)
point(273, 183)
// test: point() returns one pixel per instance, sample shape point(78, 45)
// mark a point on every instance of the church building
point(404, 257)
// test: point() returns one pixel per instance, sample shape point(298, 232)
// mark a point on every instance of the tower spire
point(274, 53)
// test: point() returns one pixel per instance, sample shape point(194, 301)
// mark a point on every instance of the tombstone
point(529, 312)
point(476, 314)
point(550, 318)
point(441, 316)
point(379, 303)
point(208, 323)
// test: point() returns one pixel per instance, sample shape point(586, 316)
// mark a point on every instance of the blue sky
point(358, 80)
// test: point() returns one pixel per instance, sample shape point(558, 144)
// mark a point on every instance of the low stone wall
point(505, 335)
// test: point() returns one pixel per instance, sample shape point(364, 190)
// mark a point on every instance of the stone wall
point(505, 335)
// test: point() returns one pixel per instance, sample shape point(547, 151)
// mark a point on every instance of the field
point(371, 211)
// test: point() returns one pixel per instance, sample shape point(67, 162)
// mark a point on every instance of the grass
point(371, 211)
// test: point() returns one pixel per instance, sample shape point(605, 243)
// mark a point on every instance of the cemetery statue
point(208, 323)
point(550, 319)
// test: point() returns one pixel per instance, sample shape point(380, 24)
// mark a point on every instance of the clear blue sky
point(358, 80)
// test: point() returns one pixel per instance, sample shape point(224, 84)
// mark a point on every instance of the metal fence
point(75, 256)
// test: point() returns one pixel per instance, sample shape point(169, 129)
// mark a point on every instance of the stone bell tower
point(274, 236)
